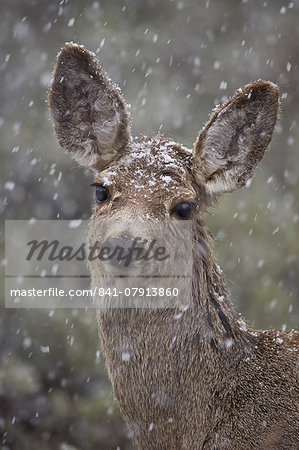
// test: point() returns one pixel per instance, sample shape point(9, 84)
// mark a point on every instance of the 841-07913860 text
point(139, 292)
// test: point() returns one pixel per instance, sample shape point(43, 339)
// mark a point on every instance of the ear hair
point(90, 116)
point(235, 138)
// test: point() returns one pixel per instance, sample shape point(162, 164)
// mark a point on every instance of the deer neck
point(211, 321)
point(220, 324)
point(159, 359)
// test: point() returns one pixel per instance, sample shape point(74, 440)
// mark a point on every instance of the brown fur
point(201, 378)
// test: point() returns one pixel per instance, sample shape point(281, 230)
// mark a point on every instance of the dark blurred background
point(174, 61)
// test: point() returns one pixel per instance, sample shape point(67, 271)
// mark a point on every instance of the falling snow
point(172, 72)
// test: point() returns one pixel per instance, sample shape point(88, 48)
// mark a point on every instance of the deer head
point(154, 178)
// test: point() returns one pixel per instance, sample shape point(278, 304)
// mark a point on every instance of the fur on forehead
point(159, 156)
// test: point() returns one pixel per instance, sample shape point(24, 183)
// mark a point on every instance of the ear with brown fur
point(235, 138)
point(90, 117)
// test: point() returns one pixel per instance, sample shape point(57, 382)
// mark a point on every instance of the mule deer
point(200, 378)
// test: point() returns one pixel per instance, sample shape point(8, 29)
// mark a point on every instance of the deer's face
point(151, 183)
point(155, 179)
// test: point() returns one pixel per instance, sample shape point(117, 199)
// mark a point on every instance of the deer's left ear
point(235, 138)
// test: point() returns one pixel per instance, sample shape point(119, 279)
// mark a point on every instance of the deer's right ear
point(90, 116)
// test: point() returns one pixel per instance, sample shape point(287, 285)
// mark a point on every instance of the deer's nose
point(120, 251)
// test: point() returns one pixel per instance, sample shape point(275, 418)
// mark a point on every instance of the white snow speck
point(248, 182)
point(217, 65)
point(184, 307)
point(27, 342)
point(74, 223)
point(167, 179)
point(290, 140)
point(289, 66)
point(197, 61)
point(45, 349)
point(219, 269)
point(228, 343)
point(125, 356)
point(9, 185)
point(106, 181)
point(273, 303)
point(151, 427)
point(177, 316)
point(47, 27)
point(279, 340)
point(242, 325)
point(54, 269)
point(71, 22)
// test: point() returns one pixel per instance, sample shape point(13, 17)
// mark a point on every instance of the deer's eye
point(102, 192)
point(183, 210)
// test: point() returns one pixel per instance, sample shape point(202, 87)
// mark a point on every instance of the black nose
point(119, 252)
